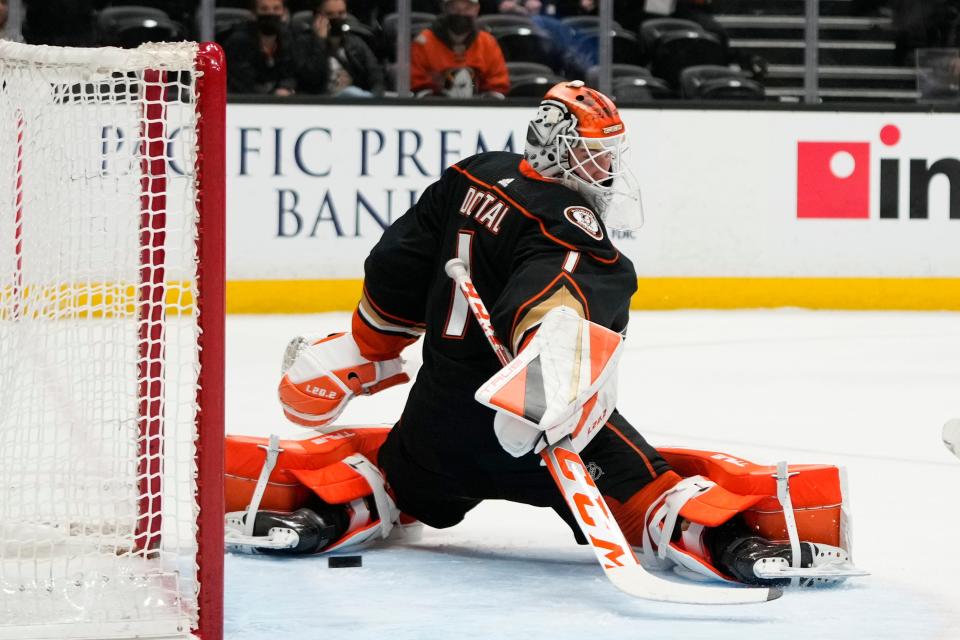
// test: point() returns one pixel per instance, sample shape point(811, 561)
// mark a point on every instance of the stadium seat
point(584, 23)
point(181, 11)
point(386, 7)
point(523, 44)
point(617, 71)
point(532, 86)
point(521, 70)
point(626, 45)
point(109, 16)
point(712, 82)
point(493, 21)
point(301, 21)
point(671, 45)
point(418, 22)
point(233, 4)
point(224, 20)
point(652, 30)
point(131, 26)
point(640, 89)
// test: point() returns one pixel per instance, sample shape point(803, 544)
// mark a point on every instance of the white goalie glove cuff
point(320, 376)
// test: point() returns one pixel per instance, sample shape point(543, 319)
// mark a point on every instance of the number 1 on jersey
point(459, 311)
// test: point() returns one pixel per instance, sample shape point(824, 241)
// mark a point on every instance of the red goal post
point(112, 269)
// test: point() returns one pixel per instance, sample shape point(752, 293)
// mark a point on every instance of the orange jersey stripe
point(640, 453)
point(523, 211)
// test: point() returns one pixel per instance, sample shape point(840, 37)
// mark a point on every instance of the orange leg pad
point(245, 456)
point(815, 491)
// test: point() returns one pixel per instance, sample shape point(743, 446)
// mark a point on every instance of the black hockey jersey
point(531, 245)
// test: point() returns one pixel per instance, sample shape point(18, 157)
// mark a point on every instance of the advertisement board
point(742, 208)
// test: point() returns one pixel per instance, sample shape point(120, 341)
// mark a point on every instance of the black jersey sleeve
point(397, 275)
point(549, 274)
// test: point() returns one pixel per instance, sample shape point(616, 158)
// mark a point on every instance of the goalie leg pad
point(245, 457)
point(329, 471)
point(743, 522)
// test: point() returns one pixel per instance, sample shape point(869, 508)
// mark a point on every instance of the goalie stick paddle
point(613, 552)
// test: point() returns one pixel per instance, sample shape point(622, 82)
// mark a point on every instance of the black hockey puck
point(344, 562)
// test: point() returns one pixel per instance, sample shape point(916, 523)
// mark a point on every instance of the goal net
point(111, 316)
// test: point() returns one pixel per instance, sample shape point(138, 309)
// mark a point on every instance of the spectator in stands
point(261, 56)
point(454, 58)
point(337, 62)
point(567, 60)
point(3, 17)
point(526, 7)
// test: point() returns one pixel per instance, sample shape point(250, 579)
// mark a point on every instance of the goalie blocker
point(725, 519)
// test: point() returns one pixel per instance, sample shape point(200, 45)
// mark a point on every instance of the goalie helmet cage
point(111, 341)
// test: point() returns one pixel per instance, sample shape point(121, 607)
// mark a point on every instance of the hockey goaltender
point(532, 230)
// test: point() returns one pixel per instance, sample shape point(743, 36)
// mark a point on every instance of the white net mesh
point(98, 341)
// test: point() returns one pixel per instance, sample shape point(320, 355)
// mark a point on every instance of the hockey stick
point(590, 510)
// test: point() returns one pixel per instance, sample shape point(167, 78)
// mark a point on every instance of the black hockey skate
point(758, 561)
point(301, 532)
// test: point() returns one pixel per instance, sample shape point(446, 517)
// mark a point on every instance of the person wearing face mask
point(454, 58)
point(335, 61)
point(261, 56)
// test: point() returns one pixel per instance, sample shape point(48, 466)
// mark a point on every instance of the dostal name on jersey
point(485, 208)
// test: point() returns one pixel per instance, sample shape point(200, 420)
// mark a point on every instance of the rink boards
point(817, 209)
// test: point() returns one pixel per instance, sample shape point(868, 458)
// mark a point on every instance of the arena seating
point(641, 89)
point(523, 44)
point(532, 86)
point(712, 82)
point(131, 26)
point(671, 45)
point(224, 20)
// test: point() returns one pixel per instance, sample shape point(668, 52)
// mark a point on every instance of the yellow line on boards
point(919, 294)
point(104, 300)
point(292, 296)
point(859, 294)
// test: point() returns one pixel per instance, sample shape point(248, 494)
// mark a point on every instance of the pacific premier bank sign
point(726, 193)
point(312, 187)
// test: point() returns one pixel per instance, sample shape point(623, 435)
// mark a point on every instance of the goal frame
point(210, 167)
point(211, 207)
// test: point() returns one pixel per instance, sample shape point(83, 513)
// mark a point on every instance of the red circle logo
point(890, 135)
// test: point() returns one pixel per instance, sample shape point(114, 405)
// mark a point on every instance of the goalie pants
point(618, 458)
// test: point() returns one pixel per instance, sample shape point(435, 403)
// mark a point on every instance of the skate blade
point(773, 568)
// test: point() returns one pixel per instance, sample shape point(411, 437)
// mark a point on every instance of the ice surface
point(866, 390)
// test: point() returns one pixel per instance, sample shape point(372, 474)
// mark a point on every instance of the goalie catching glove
point(562, 384)
point(321, 375)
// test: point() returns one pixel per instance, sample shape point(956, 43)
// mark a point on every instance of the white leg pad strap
point(273, 452)
point(783, 496)
point(386, 508)
point(661, 520)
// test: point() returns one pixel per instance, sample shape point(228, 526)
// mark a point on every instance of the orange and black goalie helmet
point(577, 138)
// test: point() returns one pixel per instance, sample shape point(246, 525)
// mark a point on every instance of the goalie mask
point(577, 138)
